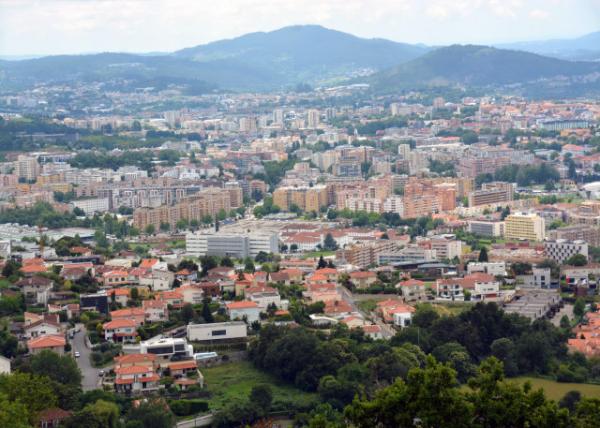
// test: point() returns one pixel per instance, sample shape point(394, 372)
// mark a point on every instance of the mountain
point(257, 61)
point(585, 48)
point(483, 66)
point(308, 52)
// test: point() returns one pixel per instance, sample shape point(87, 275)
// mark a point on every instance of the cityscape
point(300, 226)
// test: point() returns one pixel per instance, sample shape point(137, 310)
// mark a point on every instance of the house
point(265, 297)
point(185, 275)
point(4, 365)
point(54, 343)
point(363, 279)
point(287, 276)
point(157, 280)
point(321, 292)
point(191, 294)
point(155, 310)
point(52, 418)
point(173, 298)
point(396, 312)
point(181, 369)
point(245, 310)
point(120, 330)
point(337, 308)
point(330, 273)
point(136, 373)
point(33, 267)
point(49, 324)
point(95, 302)
point(137, 315)
point(353, 321)
point(481, 286)
point(373, 331)
point(116, 278)
point(36, 289)
point(412, 290)
point(119, 295)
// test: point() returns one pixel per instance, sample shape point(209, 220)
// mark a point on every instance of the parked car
point(101, 373)
point(77, 354)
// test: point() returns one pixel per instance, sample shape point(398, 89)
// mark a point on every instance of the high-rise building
point(561, 249)
point(278, 116)
point(233, 245)
point(492, 193)
point(522, 226)
point(27, 167)
point(306, 198)
point(248, 124)
point(313, 118)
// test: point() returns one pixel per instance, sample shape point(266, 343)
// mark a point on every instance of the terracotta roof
point(242, 305)
point(53, 414)
point(50, 341)
point(133, 370)
point(182, 365)
point(120, 323)
point(148, 263)
point(134, 358)
point(127, 312)
point(363, 274)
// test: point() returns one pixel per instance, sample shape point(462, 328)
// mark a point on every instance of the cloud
point(539, 14)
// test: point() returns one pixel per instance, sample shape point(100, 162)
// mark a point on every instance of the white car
point(77, 354)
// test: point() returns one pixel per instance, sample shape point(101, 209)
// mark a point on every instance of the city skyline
point(75, 26)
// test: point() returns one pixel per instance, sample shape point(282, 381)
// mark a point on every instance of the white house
point(244, 310)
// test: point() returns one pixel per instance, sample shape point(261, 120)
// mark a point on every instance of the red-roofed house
point(55, 343)
point(136, 373)
point(243, 310)
point(155, 310)
point(121, 295)
point(136, 315)
point(337, 308)
point(121, 330)
point(172, 297)
point(412, 290)
point(52, 418)
point(396, 311)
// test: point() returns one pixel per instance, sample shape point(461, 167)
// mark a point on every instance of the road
point(387, 331)
point(91, 380)
point(200, 421)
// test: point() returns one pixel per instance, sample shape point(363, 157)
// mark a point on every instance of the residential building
point(217, 331)
point(245, 311)
point(560, 250)
point(486, 227)
point(492, 193)
point(54, 343)
point(491, 268)
point(363, 279)
point(578, 232)
point(305, 197)
point(120, 330)
point(412, 290)
point(524, 227)
point(240, 245)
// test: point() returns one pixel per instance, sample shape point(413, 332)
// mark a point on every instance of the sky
point(49, 27)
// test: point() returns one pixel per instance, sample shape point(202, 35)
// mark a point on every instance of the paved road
point(91, 380)
point(387, 331)
point(200, 421)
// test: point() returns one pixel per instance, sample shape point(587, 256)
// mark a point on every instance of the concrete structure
point(492, 193)
point(243, 311)
point(229, 244)
point(486, 227)
point(305, 197)
point(491, 268)
point(91, 206)
point(4, 365)
point(524, 227)
point(217, 331)
point(561, 249)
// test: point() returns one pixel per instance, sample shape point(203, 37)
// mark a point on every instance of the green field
point(557, 390)
point(234, 381)
point(316, 254)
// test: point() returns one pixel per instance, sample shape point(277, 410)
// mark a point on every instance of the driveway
point(90, 380)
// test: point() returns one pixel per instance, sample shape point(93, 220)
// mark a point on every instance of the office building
point(233, 330)
point(232, 245)
point(492, 193)
point(486, 227)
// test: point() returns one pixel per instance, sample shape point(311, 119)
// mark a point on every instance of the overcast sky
point(42, 27)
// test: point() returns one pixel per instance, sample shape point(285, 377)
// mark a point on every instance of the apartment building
point(578, 232)
point(27, 167)
point(492, 193)
point(524, 227)
point(365, 254)
point(424, 197)
point(561, 249)
point(486, 227)
point(306, 197)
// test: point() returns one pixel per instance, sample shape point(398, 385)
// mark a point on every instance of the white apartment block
point(225, 244)
point(91, 206)
point(561, 249)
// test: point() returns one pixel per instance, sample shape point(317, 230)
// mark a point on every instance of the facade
point(577, 232)
point(524, 227)
point(233, 245)
point(491, 268)
point(560, 250)
point(217, 331)
point(91, 206)
point(244, 310)
point(492, 193)
point(306, 198)
point(486, 227)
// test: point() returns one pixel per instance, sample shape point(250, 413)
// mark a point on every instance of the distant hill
point(584, 48)
point(308, 52)
point(257, 61)
point(478, 66)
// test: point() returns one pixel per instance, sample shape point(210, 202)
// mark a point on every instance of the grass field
point(234, 381)
point(315, 254)
point(451, 308)
point(556, 390)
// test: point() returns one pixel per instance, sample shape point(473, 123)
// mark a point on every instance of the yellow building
point(528, 227)
point(307, 198)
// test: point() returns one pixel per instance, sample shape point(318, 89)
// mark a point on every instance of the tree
point(13, 413)
point(226, 261)
point(576, 260)
point(165, 227)
point(151, 413)
point(322, 263)
point(249, 265)
point(150, 229)
point(33, 392)
point(424, 316)
point(579, 307)
point(570, 401)
point(8, 344)
point(483, 255)
point(207, 312)
point(329, 243)
point(10, 268)
point(262, 396)
point(187, 313)
point(101, 414)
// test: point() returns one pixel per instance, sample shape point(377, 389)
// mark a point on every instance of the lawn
point(234, 381)
point(557, 390)
point(451, 308)
point(316, 254)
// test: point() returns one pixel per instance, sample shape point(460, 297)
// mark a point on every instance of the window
point(219, 332)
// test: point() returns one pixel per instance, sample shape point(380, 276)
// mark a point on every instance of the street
point(386, 330)
point(90, 379)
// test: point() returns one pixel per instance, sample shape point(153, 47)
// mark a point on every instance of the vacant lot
point(556, 390)
point(234, 381)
